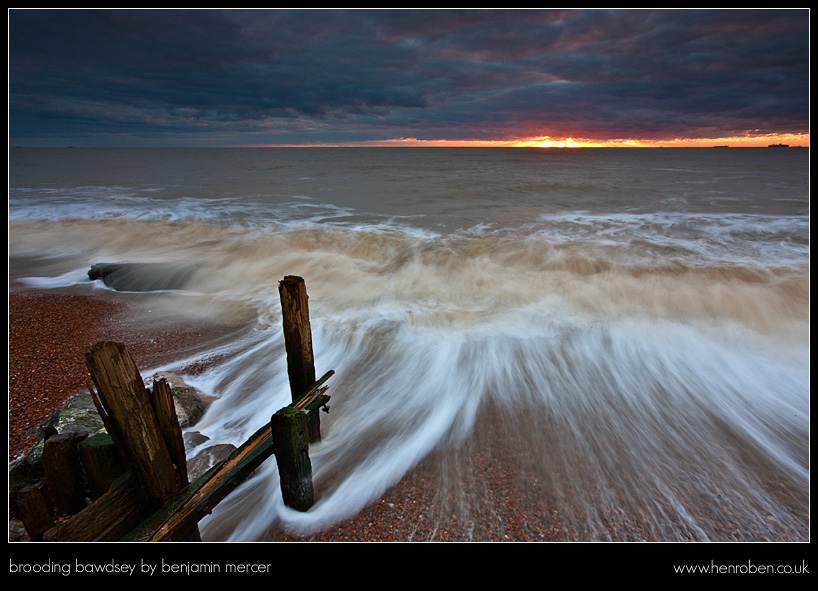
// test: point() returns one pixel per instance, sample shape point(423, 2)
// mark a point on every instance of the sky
point(301, 77)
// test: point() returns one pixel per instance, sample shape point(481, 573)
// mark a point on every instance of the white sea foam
point(654, 362)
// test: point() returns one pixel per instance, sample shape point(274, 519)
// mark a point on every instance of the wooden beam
point(185, 509)
point(314, 398)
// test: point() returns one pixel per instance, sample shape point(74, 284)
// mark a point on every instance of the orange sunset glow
point(749, 141)
point(794, 140)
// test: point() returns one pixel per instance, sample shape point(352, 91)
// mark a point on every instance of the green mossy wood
point(292, 450)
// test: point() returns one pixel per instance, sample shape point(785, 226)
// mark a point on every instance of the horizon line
point(795, 140)
point(760, 141)
point(388, 146)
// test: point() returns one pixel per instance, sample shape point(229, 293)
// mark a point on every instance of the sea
point(625, 332)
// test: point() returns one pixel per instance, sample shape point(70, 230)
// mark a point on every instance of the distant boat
point(778, 146)
point(721, 146)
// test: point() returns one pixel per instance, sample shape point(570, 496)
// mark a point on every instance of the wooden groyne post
point(150, 498)
point(142, 422)
point(295, 312)
point(291, 444)
point(142, 425)
point(295, 426)
point(198, 499)
point(287, 436)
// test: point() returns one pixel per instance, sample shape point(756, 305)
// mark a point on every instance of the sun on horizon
point(748, 141)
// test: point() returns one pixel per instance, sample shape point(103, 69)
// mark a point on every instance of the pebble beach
point(49, 334)
point(477, 494)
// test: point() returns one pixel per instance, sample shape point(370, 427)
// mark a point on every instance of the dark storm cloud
point(259, 76)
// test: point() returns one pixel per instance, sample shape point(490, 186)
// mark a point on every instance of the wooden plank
point(185, 509)
point(314, 398)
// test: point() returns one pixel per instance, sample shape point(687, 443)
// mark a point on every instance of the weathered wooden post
point(291, 445)
point(63, 470)
point(129, 417)
point(153, 499)
point(150, 499)
point(291, 448)
point(34, 512)
point(161, 399)
point(102, 463)
point(298, 344)
point(141, 422)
